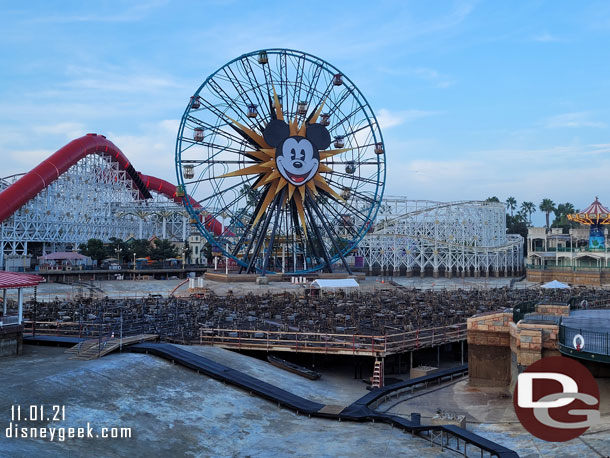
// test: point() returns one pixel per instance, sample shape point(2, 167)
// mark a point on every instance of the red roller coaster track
point(49, 170)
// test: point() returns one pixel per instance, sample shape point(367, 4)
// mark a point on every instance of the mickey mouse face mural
point(297, 158)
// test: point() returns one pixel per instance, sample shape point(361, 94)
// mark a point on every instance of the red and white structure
point(18, 281)
point(87, 189)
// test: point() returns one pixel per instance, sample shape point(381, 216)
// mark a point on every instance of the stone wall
point(569, 276)
point(11, 340)
point(489, 358)
point(499, 349)
point(553, 309)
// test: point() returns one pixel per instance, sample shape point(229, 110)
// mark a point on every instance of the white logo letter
point(526, 392)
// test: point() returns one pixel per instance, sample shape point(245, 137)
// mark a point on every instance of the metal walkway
point(95, 348)
point(359, 410)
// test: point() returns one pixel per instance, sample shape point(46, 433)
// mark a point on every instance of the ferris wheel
point(281, 162)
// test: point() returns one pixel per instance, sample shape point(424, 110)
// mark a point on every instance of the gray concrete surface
point(175, 412)
point(336, 387)
point(138, 288)
point(490, 413)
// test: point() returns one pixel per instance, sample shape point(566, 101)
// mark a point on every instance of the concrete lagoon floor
point(173, 411)
point(139, 288)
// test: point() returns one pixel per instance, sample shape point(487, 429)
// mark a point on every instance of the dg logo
point(557, 399)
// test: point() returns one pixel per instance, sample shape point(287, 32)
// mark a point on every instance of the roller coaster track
point(25, 188)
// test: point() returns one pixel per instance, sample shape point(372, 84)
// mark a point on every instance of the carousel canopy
point(595, 213)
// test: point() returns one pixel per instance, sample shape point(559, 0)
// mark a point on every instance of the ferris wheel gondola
point(283, 149)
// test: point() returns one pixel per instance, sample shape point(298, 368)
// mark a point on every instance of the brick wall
point(553, 309)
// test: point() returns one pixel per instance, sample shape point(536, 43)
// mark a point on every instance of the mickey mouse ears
point(277, 131)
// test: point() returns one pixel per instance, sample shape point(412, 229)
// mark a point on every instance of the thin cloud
point(437, 79)
point(134, 13)
point(546, 37)
point(69, 130)
point(388, 119)
point(117, 80)
point(579, 119)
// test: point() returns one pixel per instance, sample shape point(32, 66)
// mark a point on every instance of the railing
point(313, 342)
point(539, 249)
point(568, 268)
point(521, 309)
point(595, 342)
point(9, 320)
point(66, 328)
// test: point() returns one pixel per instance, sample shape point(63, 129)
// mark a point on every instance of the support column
point(462, 350)
point(20, 302)
point(4, 302)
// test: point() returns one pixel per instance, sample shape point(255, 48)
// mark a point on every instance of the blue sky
point(475, 98)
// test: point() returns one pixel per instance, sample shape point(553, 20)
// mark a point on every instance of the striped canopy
point(18, 280)
point(595, 213)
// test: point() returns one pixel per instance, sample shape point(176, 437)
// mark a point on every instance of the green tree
point(163, 249)
point(94, 248)
point(207, 252)
point(547, 206)
point(511, 205)
point(492, 199)
point(527, 208)
point(140, 247)
point(561, 217)
point(118, 248)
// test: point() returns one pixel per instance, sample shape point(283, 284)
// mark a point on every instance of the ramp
point(94, 348)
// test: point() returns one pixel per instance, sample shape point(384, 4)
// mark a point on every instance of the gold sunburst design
point(269, 173)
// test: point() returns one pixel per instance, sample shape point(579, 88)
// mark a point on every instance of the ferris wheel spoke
point(345, 119)
point(280, 225)
point(337, 102)
point(212, 128)
point(339, 218)
point(353, 177)
point(242, 93)
point(319, 237)
point(330, 231)
point(232, 104)
point(261, 237)
point(256, 86)
point(311, 91)
point(247, 230)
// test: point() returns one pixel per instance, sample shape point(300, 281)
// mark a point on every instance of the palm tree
point(511, 204)
point(564, 210)
point(547, 206)
point(529, 208)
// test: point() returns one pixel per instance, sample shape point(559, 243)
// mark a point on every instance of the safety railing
point(584, 341)
point(521, 309)
point(66, 328)
point(539, 249)
point(568, 268)
point(332, 343)
point(9, 320)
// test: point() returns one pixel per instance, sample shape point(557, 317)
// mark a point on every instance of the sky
point(475, 99)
